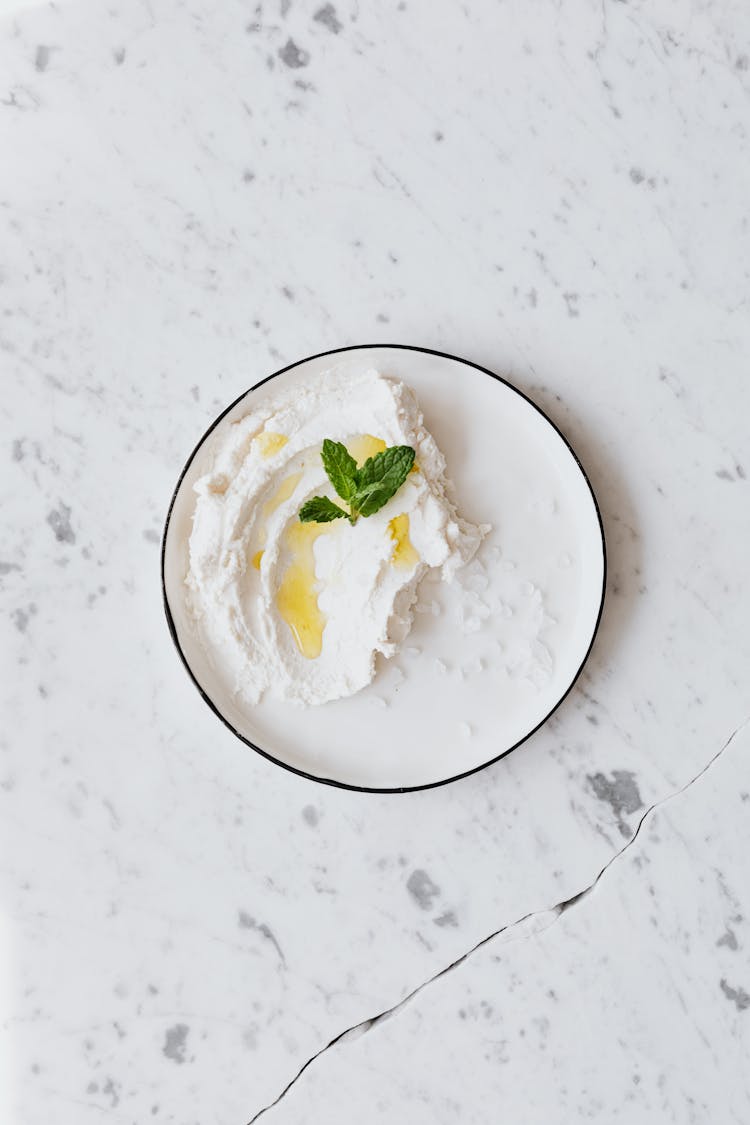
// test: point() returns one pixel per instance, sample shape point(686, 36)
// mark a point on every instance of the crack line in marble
point(364, 1026)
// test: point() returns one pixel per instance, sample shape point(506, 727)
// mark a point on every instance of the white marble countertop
point(191, 195)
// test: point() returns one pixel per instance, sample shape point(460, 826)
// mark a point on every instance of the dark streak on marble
point(175, 1042)
point(7, 567)
point(637, 176)
point(21, 99)
point(114, 815)
point(422, 889)
point(738, 996)
point(151, 535)
point(447, 918)
point(119, 55)
point(21, 617)
point(112, 1090)
point(17, 452)
point(293, 56)
point(729, 939)
point(671, 380)
point(247, 922)
point(327, 16)
point(620, 793)
point(310, 815)
point(571, 303)
point(59, 521)
point(41, 59)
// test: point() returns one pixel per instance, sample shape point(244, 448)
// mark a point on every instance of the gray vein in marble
point(447, 918)
point(246, 922)
point(620, 793)
point(422, 889)
point(293, 56)
point(310, 815)
point(175, 1042)
point(59, 521)
point(737, 996)
point(728, 939)
point(327, 16)
point(41, 60)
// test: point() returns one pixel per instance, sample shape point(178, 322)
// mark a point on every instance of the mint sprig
point(365, 490)
point(340, 467)
point(320, 510)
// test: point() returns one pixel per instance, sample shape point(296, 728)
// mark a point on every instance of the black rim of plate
point(330, 780)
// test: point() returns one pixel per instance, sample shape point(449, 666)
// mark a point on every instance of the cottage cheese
point(302, 610)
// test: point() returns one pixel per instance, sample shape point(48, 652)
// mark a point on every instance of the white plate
point(475, 677)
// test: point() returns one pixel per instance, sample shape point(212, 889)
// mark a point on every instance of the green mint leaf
point(381, 477)
point(393, 463)
point(371, 499)
point(340, 467)
point(321, 510)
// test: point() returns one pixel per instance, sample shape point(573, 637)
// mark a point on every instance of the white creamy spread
point(301, 610)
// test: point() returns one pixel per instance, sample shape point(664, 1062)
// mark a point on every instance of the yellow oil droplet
point(269, 443)
point(414, 468)
point(404, 556)
point(364, 446)
point(282, 493)
point(297, 598)
point(256, 559)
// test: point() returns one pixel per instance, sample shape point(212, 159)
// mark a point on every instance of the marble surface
point(623, 1003)
point(194, 194)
